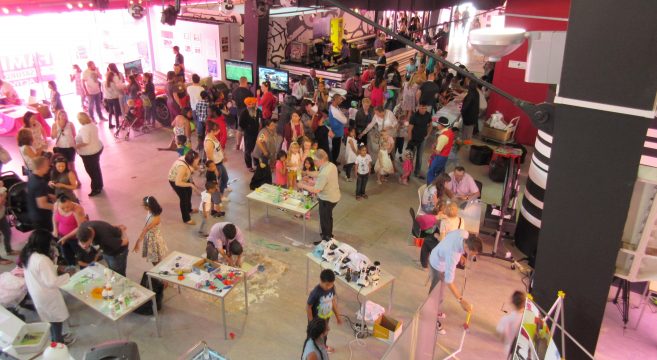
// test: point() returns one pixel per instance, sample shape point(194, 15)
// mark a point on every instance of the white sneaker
point(439, 328)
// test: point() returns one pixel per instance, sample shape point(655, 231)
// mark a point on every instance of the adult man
point(345, 52)
point(311, 83)
point(442, 150)
point(443, 260)
point(180, 59)
point(418, 129)
point(337, 121)
point(354, 88)
point(8, 94)
point(368, 75)
point(91, 84)
point(39, 206)
point(427, 92)
point(328, 190)
point(240, 93)
point(249, 124)
point(228, 239)
point(462, 186)
point(201, 115)
point(112, 240)
point(308, 111)
point(267, 144)
point(194, 92)
point(300, 89)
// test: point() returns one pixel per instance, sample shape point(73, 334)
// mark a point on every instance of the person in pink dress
point(280, 171)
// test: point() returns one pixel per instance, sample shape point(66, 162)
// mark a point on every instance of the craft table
point(164, 271)
point(267, 194)
point(385, 279)
point(82, 284)
point(452, 111)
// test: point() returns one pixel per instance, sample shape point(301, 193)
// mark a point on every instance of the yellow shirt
point(442, 141)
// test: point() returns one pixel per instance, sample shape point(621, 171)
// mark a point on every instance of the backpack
point(158, 288)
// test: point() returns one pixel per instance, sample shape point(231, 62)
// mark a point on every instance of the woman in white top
point(89, 147)
point(382, 119)
point(27, 149)
point(38, 136)
point(63, 132)
point(452, 221)
point(214, 152)
point(113, 87)
point(180, 179)
point(43, 284)
point(76, 77)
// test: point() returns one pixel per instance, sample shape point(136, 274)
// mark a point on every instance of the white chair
point(651, 290)
point(420, 192)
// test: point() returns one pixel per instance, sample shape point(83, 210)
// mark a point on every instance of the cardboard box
point(387, 329)
point(42, 109)
point(502, 136)
point(200, 265)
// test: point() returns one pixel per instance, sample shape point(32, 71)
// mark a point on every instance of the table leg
point(248, 205)
point(304, 228)
point(392, 288)
point(267, 211)
point(362, 315)
point(223, 315)
point(246, 295)
point(307, 272)
point(118, 330)
point(154, 304)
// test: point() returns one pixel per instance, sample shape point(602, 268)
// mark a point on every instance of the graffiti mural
point(283, 31)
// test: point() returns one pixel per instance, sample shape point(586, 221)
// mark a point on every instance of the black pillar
point(256, 30)
point(595, 156)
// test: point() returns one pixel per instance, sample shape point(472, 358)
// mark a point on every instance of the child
point(181, 145)
point(509, 325)
point(205, 207)
point(308, 167)
point(87, 256)
point(154, 249)
point(211, 252)
point(353, 110)
point(293, 165)
point(213, 174)
point(55, 98)
point(306, 148)
point(280, 172)
point(384, 165)
point(407, 167)
point(402, 131)
point(363, 168)
point(322, 302)
point(351, 151)
point(261, 175)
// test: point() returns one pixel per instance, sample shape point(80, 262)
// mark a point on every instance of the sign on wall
point(28, 68)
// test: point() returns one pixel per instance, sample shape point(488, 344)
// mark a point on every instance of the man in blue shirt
point(443, 259)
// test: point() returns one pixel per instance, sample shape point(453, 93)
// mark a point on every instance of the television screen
point(133, 68)
point(236, 69)
point(278, 78)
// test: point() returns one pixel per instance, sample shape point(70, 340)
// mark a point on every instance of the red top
point(268, 103)
point(448, 147)
point(376, 96)
point(223, 130)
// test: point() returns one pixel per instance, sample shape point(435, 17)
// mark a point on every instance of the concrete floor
point(275, 325)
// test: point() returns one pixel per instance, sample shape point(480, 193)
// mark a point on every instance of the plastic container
point(471, 215)
point(56, 351)
point(42, 332)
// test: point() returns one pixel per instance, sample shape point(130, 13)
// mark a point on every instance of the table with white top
point(385, 278)
point(86, 286)
point(167, 270)
point(452, 111)
point(291, 200)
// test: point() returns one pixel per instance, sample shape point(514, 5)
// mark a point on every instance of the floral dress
point(154, 248)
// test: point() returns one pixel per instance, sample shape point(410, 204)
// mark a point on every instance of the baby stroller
point(16, 201)
point(133, 119)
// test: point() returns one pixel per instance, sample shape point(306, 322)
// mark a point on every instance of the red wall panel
point(512, 80)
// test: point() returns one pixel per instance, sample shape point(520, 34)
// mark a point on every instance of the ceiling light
point(80, 5)
point(5, 10)
point(91, 5)
point(496, 43)
point(19, 10)
point(69, 6)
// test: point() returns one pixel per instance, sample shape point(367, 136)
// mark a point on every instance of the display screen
point(236, 69)
point(133, 68)
point(278, 78)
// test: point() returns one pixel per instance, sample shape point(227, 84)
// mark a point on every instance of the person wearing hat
point(443, 148)
point(337, 121)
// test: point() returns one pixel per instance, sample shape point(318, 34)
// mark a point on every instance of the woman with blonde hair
point(90, 148)
point(27, 149)
point(451, 221)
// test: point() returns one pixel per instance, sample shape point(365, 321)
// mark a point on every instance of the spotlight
point(80, 5)
point(5, 10)
point(91, 5)
point(69, 6)
point(19, 10)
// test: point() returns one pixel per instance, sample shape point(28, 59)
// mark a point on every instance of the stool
point(651, 290)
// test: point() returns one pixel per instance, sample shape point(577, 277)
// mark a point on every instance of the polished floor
point(275, 325)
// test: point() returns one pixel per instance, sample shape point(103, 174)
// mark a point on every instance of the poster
point(337, 30)
point(212, 68)
point(534, 340)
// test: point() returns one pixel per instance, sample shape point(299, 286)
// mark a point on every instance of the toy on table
point(108, 293)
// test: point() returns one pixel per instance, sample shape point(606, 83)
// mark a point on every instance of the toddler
point(293, 165)
point(407, 167)
point(384, 165)
point(206, 205)
point(280, 171)
point(181, 145)
point(509, 325)
point(363, 168)
point(213, 174)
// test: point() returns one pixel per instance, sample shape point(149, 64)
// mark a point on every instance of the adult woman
point(266, 100)
point(63, 132)
point(38, 135)
point(149, 93)
point(434, 193)
point(113, 92)
point(420, 75)
point(294, 129)
point(181, 126)
point(409, 98)
point(27, 149)
point(90, 148)
point(62, 179)
point(215, 153)
point(172, 95)
point(180, 179)
point(314, 348)
point(451, 221)
point(321, 97)
point(133, 87)
point(381, 62)
point(67, 215)
point(76, 77)
point(377, 89)
point(43, 284)
point(364, 117)
point(470, 110)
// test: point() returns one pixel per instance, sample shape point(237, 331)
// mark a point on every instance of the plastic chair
point(480, 186)
point(420, 192)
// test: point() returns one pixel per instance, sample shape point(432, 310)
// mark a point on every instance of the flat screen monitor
point(236, 69)
point(133, 68)
point(278, 78)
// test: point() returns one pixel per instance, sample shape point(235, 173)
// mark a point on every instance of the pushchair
point(133, 120)
point(17, 213)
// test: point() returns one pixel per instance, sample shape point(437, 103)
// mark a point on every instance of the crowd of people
point(384, 127)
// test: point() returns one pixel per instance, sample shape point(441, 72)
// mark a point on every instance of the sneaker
point(219, 214)
point(350, 180)
point(203, 235)
point(69, 339)
point(439, 328)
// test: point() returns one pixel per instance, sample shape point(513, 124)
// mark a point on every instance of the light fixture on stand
point(496, 43)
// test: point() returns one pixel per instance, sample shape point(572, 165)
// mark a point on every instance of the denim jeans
point(361, 184)
point(119, 262)
point(201, 228)
point(223, 181)
point(437, 166)
point(56, 332)
point(94, 101)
